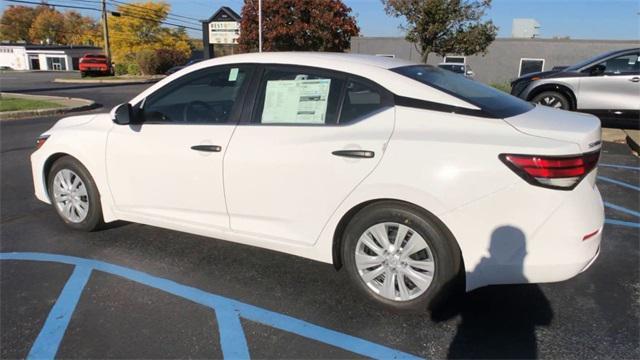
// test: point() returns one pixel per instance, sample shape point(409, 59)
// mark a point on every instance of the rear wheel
point(552, 99)
point(74, 194)
point(399, 257)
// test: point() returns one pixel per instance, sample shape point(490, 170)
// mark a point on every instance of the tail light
point(41, 140)
point(554, 172)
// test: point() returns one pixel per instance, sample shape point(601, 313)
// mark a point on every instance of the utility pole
point(259, 25)
point(105, 31)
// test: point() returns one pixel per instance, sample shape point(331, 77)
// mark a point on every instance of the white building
point(43, 57)
point(525, 28)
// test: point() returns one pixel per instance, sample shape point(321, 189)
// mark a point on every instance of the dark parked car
point(607, 85)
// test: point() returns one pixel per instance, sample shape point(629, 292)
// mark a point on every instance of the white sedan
point(409, 177)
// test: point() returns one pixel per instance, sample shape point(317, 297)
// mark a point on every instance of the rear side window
point(493, 102)
point(360, 100)
point(298, 97)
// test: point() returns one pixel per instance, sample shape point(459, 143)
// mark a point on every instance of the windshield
point(594, 59)
point(494, 102)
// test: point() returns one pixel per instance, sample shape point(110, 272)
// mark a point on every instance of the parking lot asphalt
point(155, 293)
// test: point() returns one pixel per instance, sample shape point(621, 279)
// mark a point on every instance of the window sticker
point(297, 101)
point(233, 74)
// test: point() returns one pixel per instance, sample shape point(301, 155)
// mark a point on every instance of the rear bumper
point(535, 236)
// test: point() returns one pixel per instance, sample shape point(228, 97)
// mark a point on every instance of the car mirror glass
point(122, 114)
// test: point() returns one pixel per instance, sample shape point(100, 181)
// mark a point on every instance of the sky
point(578, 19)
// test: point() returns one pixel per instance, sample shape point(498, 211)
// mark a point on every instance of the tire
point(552, 99)
point(79, 208)
point(83, 74)
point(440, 248)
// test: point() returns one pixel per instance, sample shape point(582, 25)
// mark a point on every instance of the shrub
point(147, 61)
point(121, 69)
point(168, 58)
point(133, 69)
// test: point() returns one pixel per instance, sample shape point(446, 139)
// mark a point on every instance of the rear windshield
point(493, 102)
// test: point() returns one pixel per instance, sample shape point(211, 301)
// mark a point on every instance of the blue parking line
point(618, 182)
point(620, 166)
point(232, 339)
point(276, 320)
point(50, 336)
point(621, 209)
point(622, 223)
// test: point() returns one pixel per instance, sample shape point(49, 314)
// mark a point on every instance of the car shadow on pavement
point(498, 322)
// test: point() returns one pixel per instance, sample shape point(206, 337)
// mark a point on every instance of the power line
point(99, 10)
point(158, 11)
point(151, 15)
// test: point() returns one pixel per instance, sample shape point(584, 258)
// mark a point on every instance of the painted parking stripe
point(620, 166)
point(621, 209)
point(232, 339)
point(249, 312)
point(618, 182)
point(622, 223)
point(50, 336)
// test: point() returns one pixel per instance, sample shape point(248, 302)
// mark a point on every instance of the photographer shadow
point(498, 322)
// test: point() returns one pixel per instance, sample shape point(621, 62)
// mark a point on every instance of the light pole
point(259, 25)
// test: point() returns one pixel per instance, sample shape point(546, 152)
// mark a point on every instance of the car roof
point(375, 68)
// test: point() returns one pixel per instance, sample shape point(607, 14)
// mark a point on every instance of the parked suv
point(607, 85)
point(95, 64)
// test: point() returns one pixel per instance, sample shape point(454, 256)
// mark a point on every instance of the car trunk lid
point(581, 129)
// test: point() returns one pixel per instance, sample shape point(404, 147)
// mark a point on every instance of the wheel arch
point(346, 218)
point(46, 168)
point(562, 89)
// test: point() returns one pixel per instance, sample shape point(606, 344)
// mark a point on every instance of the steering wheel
point(199, 112)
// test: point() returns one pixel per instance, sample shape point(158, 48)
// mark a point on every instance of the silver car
point(607, 86)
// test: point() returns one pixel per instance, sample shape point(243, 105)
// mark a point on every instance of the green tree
point(298, 25)
point(445, 26)
point(16, 22)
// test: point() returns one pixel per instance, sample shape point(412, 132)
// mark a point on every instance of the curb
point(107, 81)
point(633, 144)
point(17, 115)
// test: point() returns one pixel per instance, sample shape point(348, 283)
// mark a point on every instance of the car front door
point(168, 165)
point(312, 137)
point(613, 87)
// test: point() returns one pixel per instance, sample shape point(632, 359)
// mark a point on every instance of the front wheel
point(74, 194)
point(400, 257)
point(552, 99)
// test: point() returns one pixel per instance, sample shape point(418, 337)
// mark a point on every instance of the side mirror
point(597, 70)
point(122, 114)
point(470, 73)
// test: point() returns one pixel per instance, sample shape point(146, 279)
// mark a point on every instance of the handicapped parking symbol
point(228, 312)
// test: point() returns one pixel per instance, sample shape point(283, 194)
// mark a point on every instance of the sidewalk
point(68, 105)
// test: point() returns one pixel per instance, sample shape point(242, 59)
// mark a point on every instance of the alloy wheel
point(70, 196)
point(394, 261)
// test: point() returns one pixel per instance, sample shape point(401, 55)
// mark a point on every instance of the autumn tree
point(445, 26)
point(16, 22)
point(139, 27)
point(78, 29)
point(296, 25)
point(48, 27)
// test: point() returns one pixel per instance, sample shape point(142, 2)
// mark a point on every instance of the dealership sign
point(224, 27)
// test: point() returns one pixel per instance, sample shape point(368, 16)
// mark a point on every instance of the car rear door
point(310, 137)
point(615, 90)
point(168, 167)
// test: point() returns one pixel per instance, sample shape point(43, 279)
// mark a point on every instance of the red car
point(95, 64)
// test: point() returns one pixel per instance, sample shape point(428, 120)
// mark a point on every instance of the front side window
point(494, 102)
point(202, 97)
point(298, 97)
point(622, 65)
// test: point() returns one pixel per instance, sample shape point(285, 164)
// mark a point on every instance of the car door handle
point(362, 154)
point(635, 79)
point(208, 148)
